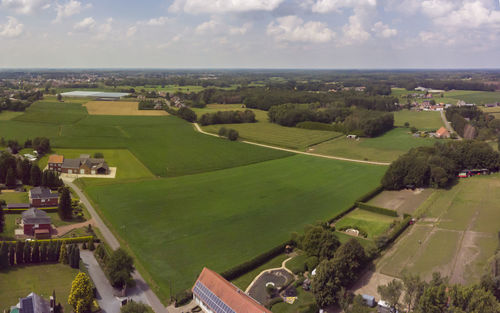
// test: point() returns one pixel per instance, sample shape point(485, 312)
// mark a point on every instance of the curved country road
point(198, 128)
point(143, 291)
point(448, 125)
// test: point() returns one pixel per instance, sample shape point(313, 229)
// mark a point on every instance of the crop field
point(385, 148)
point(119, 108)
point(373, 224)
point(457, 235)
point(166, 145)
point(402, 201)
point(20, 281)
point(424, 120)
point(261, 205)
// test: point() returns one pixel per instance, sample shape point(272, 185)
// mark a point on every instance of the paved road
point(142, 290)
point(198, 128)
point(448, 125)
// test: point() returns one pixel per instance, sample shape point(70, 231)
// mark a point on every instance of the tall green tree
point(81, 294)
point(35, 176)
point(2, 219)
point(413, 288)
point(4, 255)
point(64, 208)
point(391, 292)
point(19, 252)
point(120, 267)
point(35, 253)
point(10, 179)
point(43, 252)
point(27, 253)
point(63, 255)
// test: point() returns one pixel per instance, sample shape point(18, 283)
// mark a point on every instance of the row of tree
point(438, 166)
point(40, 144)
point(227, 117)
point(290, 114)
point(13, 169)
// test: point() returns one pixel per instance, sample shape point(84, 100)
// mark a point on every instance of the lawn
point(385, 148)
point(373, 224)
point(244, 281)
point(43, 279)
point(166, 145)
point(219, 219)
point(304, 298)
point(14, 197)
point(424, 120)
point(8, 115)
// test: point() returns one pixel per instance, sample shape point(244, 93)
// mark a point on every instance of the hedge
point(183, 297)
point(376, 209)
point(363, 198)
point(19, 211)
point(252, 264)
point(65, 240)
point(398, 230)
point(315, 126)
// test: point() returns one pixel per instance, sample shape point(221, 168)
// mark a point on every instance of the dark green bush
point(315, 126)
point(183, 297)
point(273, 301)
point(232, 134)
point(311, 263)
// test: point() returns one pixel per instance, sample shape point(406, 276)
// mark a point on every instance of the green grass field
point(458, 234)
point(424, 120)
point(453, 96)
point(385, 148)
point(372, 223)
point(176, 226)
point(8, 115)
point(20, 281)
point(304, 298)
point(244, 281)
point(14, 197)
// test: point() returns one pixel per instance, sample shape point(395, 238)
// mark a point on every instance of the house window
point(82, 171)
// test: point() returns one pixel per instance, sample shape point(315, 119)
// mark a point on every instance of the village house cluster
point(82, 165)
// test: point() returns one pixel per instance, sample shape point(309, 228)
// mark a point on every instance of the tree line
point(438, 166)
point(13, 169)
point(227, 117)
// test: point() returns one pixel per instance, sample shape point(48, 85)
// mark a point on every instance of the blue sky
point(250, 33)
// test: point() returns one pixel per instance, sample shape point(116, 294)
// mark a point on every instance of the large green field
point(453, 96)
point(385, 148)
point(457, 235)
point(20, 281)
point(166, 145)
point(424, 120)
point(219, 219)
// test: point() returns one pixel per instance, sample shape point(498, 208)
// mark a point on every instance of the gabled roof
point(71, 163)
point(35, 216)
point(442, 131)
point(55, 158)
point(223, 297)
point(42, 193)
point(33, 303)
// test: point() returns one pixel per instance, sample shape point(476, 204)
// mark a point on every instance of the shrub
point(311, 263)
point(232, 135)
point(222, 131)
point(273, 301)
point(98, 155)
point(397, 230)
point(371, 194)
point(183, 297)
point(376, 209)
point(187, 114)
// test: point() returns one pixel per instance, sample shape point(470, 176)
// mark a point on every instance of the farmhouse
point(82, 165)
point(33, 303)
point(36, 223)
point(214, 294)
point(442, 133)
point(43, 197)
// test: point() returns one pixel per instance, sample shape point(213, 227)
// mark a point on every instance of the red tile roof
point(442, 132)
point(54, 158)
point(232, 296)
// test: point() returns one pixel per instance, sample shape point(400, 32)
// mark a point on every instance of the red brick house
point(36, 223)
point(214, 294)
point(43, 197)
point(55, 162)
point(82, 165)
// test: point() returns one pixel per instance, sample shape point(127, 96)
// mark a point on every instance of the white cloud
point(354, 32)
point(86, 24)
point(104, 29)
point(208, 26)
point(472, 14)
point(437, 8)
point(384, 31)
point(243, 29)
point(70, 8)
point(215, 27)
point(223, 6)
point(292, 28)
point(157, 21)
point(131, 31)
point(12, 29)
point(325, 6)
point(24, 6)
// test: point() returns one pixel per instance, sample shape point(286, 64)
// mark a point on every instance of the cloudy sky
point(250, 33)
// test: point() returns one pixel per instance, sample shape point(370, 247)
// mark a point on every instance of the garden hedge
point(19, 211)
point(376, 209)
point(257, 261)
point(363, 198)
point(315, 126)
point(65, 240)
point(398, 230)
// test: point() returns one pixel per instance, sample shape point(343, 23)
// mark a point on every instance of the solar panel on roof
point(27, 305)
point(210, 299)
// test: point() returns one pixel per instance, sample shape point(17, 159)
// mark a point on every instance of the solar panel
point(210, 299)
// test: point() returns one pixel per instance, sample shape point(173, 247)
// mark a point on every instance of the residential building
point(55, 162)
point(36, 223)
point(82, 165)
point(33, 303)
point(442, 133)
point(214, 294)
point(43, 197)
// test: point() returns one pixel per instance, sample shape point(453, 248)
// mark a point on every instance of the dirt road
point(448, 125)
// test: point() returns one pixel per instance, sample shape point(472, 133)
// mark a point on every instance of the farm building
point(36, 223)
point(33, 303)
point(102, 96)
point(214, 294)
point(82, 165)
point(442, 133)
point(18, 206)
point(43, 197)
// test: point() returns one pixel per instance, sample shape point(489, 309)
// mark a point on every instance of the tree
point(35, 176)
point(63, 255)
point(64, 208)
point(2, 219)
point(433, 300)
point(223, 132)
point(325, 286)
point(12, 255)
point(4, 255)
point(19, 252)
point(120, 267)
point(413, 288)
point(43, 252)
point(391, 292)
point(135, 307)
point(187, 114)
point(10, 179)
point(59, 97)
point(35, 253)
point(91, 245)
point(232, 134)
point(472, 299)
point(81, 294)
point(27, 253)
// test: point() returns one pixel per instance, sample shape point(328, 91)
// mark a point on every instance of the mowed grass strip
point(19, 281)
point(373, 224)
point(8, 115)
point(385, 148)
point(424, 120)
point(176, 226)
point(119, 108)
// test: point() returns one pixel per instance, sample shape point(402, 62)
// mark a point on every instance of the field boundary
point(198, 128)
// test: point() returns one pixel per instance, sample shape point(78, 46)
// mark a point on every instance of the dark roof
point(42, 193)
point(33, 303)
point(71, 163)
point(35, 216)
point(18, 205)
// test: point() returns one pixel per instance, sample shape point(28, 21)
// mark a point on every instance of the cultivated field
point(20, 281)
point(119, 108)
point(424, 120)
point(385, 148)
point(457, 235)
point(373, 224)
point(194, 226)
point(402, 201)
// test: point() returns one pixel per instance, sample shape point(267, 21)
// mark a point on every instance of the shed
point(369, 300)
